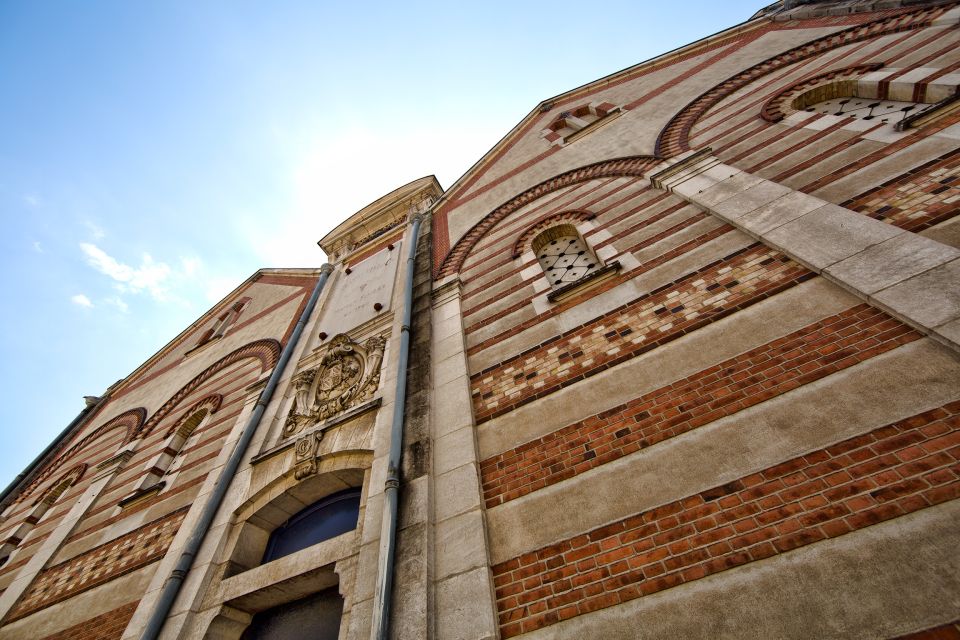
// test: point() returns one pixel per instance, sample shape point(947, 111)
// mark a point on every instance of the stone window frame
point(574, 221)
point(572, 124)
point(248, 586)
point(222, 324)
point(161, 470)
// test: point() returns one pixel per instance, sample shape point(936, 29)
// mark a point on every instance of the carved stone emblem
point(348, 375)
point(305, 455)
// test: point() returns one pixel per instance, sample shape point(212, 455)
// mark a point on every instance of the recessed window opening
point(564, 255)
point(890, 111)
point(224, 321)
point(324, 519)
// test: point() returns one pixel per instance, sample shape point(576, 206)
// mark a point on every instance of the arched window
point(324, 519)
point(564, 255)
point(162, 469)
point(39, 509)
point(223, 322)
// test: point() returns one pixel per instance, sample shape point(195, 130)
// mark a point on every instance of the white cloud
point(190, 266)
point(327, 187)
point(118, 302)
point(37, 247)
point(95, 230)
point(81, 300)
point(31, 200)
point(150, 276)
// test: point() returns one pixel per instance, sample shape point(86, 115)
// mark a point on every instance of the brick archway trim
point(778, 107)
point(675, 137)
point(267, 351)
point(211, 403)
point(453, 261)
point(130, 421)
point(545, 222)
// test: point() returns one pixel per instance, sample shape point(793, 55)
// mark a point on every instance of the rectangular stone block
point(930, 299)
point(890, 262)
point(829, 234)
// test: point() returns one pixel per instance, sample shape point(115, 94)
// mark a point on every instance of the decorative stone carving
point(305, 455)
point(348, 374)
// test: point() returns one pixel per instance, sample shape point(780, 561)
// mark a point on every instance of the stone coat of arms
point(348, 375)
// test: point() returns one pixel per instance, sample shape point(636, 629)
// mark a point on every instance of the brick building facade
point(678, 358)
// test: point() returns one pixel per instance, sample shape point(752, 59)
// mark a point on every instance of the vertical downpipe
point(179, 573)
point(388, 536)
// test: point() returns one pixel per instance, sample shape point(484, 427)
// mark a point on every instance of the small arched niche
point(564, 255)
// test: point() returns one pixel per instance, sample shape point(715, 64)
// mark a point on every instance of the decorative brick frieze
point(891, 471)
point(106, 626)
point(767, 371)
point(660, 316)
point(97, 566)
point(920, 198)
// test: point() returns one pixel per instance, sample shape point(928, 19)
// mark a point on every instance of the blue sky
point(155, 154)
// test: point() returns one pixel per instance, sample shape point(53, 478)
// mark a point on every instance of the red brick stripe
point(106, 626)
point(880, 154)
point(811, 353)
point(891, 471)
point(99, 565)
point(918, 199)
point(946, 632)
point(656, 318)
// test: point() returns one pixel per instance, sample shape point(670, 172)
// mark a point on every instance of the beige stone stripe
point(600, 304)
point(890, 387)
point(760, 323)
point(915, 279)
point(896, 577)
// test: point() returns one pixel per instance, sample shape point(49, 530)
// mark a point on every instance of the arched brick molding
point(63, 483)
point(780, 105)
point(674, 139)
point(130, 421)
point(616, 168)
point(545, 222)
point(211, 403)
point(267, 351)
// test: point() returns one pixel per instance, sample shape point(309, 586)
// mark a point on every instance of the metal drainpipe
point(381, 623)
point(75, 424)
point(179, 573)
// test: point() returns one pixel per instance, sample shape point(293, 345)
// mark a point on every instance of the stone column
point(463, 583)
point(913, 278)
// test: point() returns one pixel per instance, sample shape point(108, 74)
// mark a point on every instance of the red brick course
point(106, 626)
point(920, 198)
point(811, 353)
point(99, 565)
point(946, 632)
point(888, 472)
point(656, 318)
